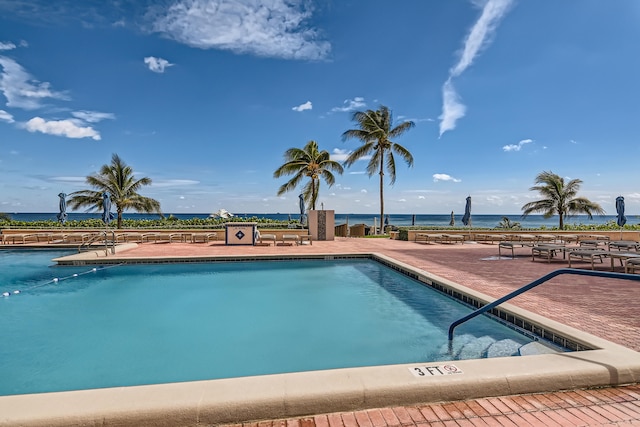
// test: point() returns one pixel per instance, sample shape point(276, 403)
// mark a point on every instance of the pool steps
point(469, 347)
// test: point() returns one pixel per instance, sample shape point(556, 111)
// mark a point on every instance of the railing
point(98, 237)
point(535, 283)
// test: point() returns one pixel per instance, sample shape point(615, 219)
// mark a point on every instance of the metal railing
point(99, 237)
point(537, 282)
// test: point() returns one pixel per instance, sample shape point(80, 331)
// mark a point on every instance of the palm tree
point(116, 178)
point(307, 162)
point(374, 129)
point(560, 198)
point(507, 223)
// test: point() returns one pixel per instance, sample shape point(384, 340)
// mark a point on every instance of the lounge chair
point(546, 238)
point(133, 237)
point(16, 238)
point(452, 238)
point(587, 255)
point(631, 264)
point(203, 237)
point(78, 237)
point(427, 237)
point(547, 251)
point(593, 240)
point(290, 239)
point(266, 239)
point(624, 245)
point(490, 238)
point(511, 246)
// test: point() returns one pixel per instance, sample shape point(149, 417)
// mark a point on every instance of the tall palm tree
point(116, 178)
point(307, 162)
point(560, 198)
point(375, 130)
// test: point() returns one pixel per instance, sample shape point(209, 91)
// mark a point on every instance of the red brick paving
point(607, 308)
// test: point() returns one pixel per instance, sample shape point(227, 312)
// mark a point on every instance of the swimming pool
point(245, 399)
point(76, 328)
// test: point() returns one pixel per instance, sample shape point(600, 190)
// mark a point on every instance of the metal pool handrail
point(98, 237)
point(535, 283)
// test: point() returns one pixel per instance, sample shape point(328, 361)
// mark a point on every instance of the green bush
point(403, 234)
point(170, 222)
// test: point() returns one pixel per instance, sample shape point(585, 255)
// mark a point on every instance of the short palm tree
point(307, 162)
point(375, 131)
point(117, 179)
point(560, 198)
point(507, 223)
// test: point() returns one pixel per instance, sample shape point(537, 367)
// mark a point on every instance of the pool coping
point(305, 393)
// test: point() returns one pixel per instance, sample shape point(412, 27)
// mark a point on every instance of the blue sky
point(205, 96)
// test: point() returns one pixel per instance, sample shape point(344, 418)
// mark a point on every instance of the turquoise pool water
point(149, 324)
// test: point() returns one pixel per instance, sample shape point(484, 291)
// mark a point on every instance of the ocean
point(400, 220)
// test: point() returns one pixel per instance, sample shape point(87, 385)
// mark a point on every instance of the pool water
point(149, 324)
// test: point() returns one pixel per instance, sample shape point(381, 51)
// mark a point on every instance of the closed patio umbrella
point(107, 216)
point(621, 220)
point(62, 215)
point(413, 219)
point(302, 210)
point(466, 218)
point(453, 220)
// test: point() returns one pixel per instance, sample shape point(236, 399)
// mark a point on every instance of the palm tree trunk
point(561, 221)
point(119, 223)
point(381, 192)
point(313, 194)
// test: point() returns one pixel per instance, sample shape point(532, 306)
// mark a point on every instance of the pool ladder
point(109, 245)
point(535, 283)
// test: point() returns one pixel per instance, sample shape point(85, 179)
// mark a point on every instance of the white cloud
point(274, 28)
point(518, 146)
point(6, 117)
point(21, 89)
point(157, 65)
point(69, 179)
point(7, 46)
point(444, 177)
point(302, 107)
point(364, 191)
point(478, 38)
point(92, 116)
point(68, 128)
point(421, 197)
point(452, 108)
point(494, 200)
point(340, 155)
point(357, 173)
point(481, 33)
point(174, 182)
point(350, 105)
